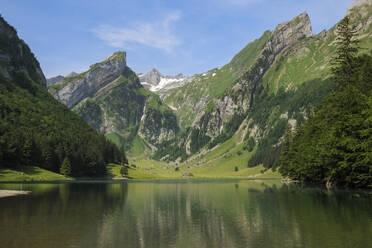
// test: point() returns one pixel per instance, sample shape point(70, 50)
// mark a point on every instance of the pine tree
point(347, 50)
point(333, 147)
point(66, 167)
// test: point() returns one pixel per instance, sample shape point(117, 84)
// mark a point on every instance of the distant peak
point(72, 74)
point(154, 71)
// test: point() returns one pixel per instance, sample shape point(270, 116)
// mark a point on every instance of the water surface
point(184, 214)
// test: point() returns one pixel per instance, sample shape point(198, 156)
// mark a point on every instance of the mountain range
point(275, 80)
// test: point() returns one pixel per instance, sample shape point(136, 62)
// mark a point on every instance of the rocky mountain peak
point(71, 90)
point(299, 27)
point(288, 33)
point(155, 81)
point(152, 77)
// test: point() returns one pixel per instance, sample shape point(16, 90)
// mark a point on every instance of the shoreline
point(8, 193)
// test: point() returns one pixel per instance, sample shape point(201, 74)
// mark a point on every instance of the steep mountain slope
point(229, 90)
point(36, 130)
point(16, 57)
point(243, 107)
point(286, 74)
point(192, 98)
point(111, 99)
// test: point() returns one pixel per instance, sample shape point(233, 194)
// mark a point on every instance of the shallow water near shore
point(213, 213)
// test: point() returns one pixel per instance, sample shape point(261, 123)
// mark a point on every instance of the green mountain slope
point(285, 80)
point(333, 147)
point(36, 130)
point(193, 97)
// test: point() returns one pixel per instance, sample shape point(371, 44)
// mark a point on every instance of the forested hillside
point(334, 146)
point(35, 129)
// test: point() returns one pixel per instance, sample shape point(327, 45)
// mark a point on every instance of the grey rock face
point(155, 81)
point(72, 90)
point(110, 98)
point(240, 96)
point(153, 77)
point(16, 56)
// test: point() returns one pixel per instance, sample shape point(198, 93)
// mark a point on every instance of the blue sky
point(189, 36)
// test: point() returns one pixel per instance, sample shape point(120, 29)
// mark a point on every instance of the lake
point(231, 213)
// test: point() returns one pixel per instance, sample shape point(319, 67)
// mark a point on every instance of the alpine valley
point(228, 121)
point(272, 149)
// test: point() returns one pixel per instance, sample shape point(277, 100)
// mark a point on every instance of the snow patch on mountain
point(155, 81)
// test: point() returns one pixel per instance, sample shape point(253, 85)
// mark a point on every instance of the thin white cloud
point(153, 34)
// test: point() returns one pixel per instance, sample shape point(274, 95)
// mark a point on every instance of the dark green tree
point(333, 147)
point(66, 168)
point(347, 49)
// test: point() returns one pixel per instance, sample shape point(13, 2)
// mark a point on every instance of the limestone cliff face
point(16, 57)
point(71, 90)
point(239, 98)
point(111, 99)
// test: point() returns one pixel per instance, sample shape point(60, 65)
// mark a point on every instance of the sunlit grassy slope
point(144, 169)
point(227, 160)
point(30, 173)
point(212, 84)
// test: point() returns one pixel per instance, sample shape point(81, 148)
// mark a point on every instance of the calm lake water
point(184, 214)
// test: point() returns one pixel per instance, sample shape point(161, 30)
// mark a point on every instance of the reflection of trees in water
point(294, 217)
point(64, 215)
point(223, 214)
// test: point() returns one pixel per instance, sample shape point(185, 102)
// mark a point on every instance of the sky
point(174, 36)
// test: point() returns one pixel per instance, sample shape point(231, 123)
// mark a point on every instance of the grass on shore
point(228, 160)
point(30, 174)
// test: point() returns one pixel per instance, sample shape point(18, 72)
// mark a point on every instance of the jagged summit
point(155, 81)
point(151, 78)
point(71, 90)
point(300, 25)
